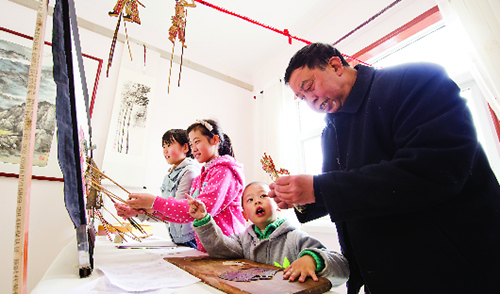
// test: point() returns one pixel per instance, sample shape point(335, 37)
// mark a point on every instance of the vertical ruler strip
point(19, 283)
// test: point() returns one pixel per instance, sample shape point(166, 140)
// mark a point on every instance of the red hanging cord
point(284, 32)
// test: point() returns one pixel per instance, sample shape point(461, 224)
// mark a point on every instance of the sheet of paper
point(145, 247)
point(104, 286)
point(148, 276)
point(178, 252)
point(150, 241)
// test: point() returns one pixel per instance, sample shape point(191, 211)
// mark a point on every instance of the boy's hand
point(141, 200)
point(301, 268)
point(197, 208)
point(125, 211)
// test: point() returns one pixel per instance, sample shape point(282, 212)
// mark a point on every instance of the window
point(311, 124)
point(436, 44)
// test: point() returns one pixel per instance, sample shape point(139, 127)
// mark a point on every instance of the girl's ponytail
point(225, 147)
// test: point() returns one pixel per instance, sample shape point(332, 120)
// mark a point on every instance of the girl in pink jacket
point(219, 186)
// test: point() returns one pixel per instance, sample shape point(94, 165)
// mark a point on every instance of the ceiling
point(216, 39)
point(238, 48)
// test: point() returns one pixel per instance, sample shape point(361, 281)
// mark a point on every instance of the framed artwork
point(129, 128)
point(15, 60)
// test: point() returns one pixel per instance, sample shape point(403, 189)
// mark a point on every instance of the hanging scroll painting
point(128, 137)
point(15, 60)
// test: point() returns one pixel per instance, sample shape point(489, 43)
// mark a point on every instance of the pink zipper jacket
point(219, 187)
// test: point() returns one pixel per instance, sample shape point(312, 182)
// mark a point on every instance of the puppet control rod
point(269, 167)
point(93, 177)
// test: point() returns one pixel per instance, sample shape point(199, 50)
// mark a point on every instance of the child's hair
point(203, 126)
point(177, 135)
point(252, 183)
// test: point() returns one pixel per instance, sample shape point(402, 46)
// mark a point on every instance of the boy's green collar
point(269, 229)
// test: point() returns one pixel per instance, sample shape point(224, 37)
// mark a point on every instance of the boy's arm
point(210, 235)
point(215, 242)
point(336, 267)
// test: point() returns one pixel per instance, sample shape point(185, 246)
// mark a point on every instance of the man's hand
point(197, 208)
point(290, 190)
point(301, 268)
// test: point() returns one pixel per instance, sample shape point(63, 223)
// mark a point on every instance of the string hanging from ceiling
point(284, 32)
point(367, 21)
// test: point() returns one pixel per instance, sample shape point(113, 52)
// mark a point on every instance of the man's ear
point(336, 63)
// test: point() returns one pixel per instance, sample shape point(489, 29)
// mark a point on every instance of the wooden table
point(208, 270)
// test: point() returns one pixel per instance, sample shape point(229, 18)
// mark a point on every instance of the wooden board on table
point(208, 270)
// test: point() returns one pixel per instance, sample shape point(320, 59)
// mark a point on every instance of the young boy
point(269, 240)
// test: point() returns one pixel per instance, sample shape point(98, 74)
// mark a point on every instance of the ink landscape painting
point(15, 61)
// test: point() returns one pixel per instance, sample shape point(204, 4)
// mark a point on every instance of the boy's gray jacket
point(286, 241)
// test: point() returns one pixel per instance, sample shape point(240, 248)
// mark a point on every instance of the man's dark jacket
point(416, 205)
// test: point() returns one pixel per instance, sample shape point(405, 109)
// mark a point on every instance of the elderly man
point(415, 202)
